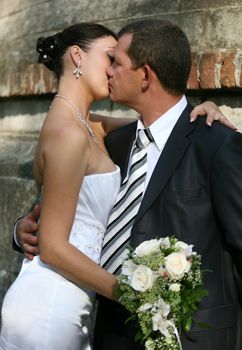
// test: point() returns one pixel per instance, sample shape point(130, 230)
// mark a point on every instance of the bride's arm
point(107, 124)
point(66, 160)
point(208, 109)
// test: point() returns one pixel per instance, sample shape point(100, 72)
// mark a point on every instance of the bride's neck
point(75, 92)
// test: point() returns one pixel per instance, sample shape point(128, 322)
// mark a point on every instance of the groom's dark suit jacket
point(195, 193)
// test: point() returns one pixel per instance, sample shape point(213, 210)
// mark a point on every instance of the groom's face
point(124, 81)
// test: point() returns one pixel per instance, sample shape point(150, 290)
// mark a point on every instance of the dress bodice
point(95, 201)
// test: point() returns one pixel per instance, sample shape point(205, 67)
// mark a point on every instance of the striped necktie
point(126, 207)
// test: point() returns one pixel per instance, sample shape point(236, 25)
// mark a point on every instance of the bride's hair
point(52, 48)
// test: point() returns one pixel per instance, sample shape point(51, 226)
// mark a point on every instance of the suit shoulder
point(213, 134)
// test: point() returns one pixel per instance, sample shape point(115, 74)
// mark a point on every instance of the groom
point(193, 184)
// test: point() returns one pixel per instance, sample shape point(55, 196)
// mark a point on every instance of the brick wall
point(213, 70)
point(216, 70)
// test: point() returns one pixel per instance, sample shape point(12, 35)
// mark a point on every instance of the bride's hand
point(211, 111)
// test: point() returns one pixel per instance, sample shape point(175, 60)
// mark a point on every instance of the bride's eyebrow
point(110, 53)
point(110, 50)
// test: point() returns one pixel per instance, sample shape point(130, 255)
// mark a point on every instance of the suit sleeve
point(226, 190)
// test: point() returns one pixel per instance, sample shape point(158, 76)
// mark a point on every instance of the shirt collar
point(162, 127)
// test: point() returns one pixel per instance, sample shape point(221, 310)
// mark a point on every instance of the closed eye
point(110, 56)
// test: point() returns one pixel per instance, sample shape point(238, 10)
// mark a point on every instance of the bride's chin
point(102, 95)
point(106, 92)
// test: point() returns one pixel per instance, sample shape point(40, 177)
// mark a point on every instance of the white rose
point(181, 245)
point(148, 247)
point(165, 242)
point(177, 265)
point(175, 287)
point(128, 268)
point(142, 278)
point(161, 324)
point(184, 248)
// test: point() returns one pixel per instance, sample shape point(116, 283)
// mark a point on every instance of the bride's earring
point(77, 72)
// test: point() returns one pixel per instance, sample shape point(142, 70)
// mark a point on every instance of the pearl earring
point(77, 72)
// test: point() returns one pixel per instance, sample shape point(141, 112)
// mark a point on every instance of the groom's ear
point(147, 77)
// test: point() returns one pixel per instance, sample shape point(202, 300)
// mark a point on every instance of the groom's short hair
point(164, 47)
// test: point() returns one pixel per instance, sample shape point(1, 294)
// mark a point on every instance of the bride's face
point(94, 65)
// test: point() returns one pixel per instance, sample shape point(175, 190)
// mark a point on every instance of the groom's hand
point(26, 233)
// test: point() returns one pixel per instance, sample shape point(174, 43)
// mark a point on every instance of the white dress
point(44, 311)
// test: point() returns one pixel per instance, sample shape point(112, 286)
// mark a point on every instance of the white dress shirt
point(161, 130)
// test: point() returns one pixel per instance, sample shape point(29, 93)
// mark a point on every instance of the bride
point(50, 303)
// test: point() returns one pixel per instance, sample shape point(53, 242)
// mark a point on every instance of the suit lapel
point(170, 157)
point(127, 143)
point(119, 145)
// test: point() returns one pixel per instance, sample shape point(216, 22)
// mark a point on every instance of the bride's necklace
point(79, 116)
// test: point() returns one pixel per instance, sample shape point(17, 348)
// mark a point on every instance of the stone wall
point(213, 28)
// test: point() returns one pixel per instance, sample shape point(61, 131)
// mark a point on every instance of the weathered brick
point(193, 81)
point(207, 71)
point(27, 80)
point(227, 73)
point(238, 69)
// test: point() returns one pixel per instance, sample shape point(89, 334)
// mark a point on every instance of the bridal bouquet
point(161, 285)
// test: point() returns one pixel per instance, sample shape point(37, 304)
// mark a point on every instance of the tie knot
point(144, 138)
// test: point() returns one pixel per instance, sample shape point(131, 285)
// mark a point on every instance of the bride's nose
point(109, 71)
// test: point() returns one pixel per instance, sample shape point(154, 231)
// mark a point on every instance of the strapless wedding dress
point(44, 311)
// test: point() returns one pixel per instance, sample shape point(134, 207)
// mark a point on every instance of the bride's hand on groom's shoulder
point(26, 233)
point(212, 112)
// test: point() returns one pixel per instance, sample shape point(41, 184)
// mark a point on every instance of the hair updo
point(52, 48)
